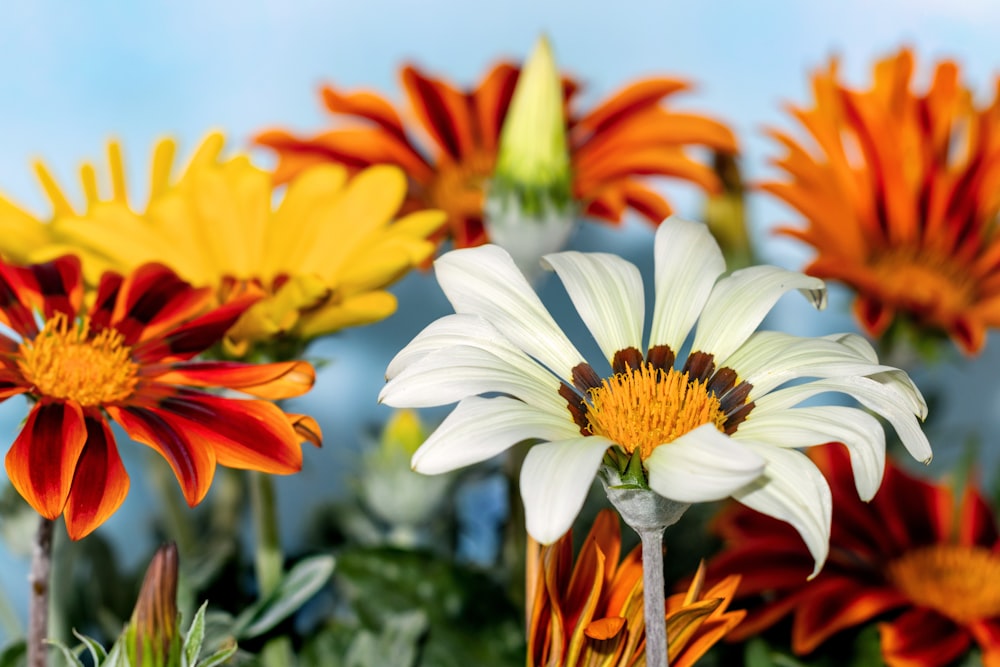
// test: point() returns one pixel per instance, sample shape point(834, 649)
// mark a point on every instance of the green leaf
point(195, 637)
point(219, 657)
point(296, 587)
point(397, 644)
point(70, 656)
point(14, 654)
point(118, 656)
point(868, 648)
point(97, 651)
point(757, 654)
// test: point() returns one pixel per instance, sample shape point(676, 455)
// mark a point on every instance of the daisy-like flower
point(591, 612)
point(900, 191)
point(613, 147)
point(720, 421)
point(908, 553)
point(128, 357)
point(323, 256)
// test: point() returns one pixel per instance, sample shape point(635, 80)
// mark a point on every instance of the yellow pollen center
point(932, 288)
point(962, 583)
point(458, 188)
point(644, 408)
point(67, 361)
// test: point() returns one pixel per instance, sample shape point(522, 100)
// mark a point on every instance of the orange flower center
point(641, 409)
point(962, 583)
point(932, 288)
point(67, 361)
point(458, 188)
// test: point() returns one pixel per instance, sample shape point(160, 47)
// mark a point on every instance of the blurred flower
point(612, 147)
point(901, 192)
point(907, 551)
point(397, 495)
point(128, 357)
point(725, 212)
point(322, 257)
point(591, 612)
point(153, 637)
point(529, 209)
point(719, 423)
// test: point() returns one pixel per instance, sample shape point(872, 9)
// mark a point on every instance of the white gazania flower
point(724, 421)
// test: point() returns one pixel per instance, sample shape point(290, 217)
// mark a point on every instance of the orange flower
point(592, 612)
point(626, 137)
point(128, 357)
point(901, 191)
point(907, 553)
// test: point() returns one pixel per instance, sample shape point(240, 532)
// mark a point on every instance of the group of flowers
point(141, 313)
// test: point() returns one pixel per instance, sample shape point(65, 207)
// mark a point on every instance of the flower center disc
point(458, 188)
point(934, 289)
point(644, 408)
point(960, 582)
point(66, 361)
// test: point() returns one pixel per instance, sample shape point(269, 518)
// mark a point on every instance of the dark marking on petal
point(722, 381)
point(661, 356)
point(700, 366)
point(736, 418)
point(585, 377)
point(735, 398)
point(577, 407)
point(626, 359)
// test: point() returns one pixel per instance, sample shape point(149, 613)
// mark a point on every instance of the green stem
point(38, 614)
point(269, 560)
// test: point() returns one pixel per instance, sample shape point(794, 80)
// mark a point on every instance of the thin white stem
point(38, 615)
point(654, 600)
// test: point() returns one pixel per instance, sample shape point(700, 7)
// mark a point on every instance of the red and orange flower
point(900, 191)
point(907, 556)
point(612, 147)
point(128, 356)
point(591, 612)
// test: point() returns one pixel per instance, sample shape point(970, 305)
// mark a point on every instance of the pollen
point(67, 360)
point(641, 409)
point(960, 582)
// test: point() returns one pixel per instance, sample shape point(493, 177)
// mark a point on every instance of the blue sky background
point(74, 74)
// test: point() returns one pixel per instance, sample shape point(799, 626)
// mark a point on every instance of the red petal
point(976, 523)
point(101, 483)
point(920, 638)
point(43, 459)
point(987, 635)
point(631, 99)
point(58, 283)
point(153, 299)
point(838, 603)
point(17, 301)
point(443, 111)
point(190, 455)
point(492, 100)
point(271, 381)
point(246, 434)
point(366, 105)
point(104, 304)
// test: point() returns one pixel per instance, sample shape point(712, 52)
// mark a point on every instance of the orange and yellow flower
point(907, 556)
point(900, 190)
point(591, 612)
point(128, 356)
point(613, 147)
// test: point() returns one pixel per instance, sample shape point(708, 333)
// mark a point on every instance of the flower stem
point(38, 615)
point(654, 600)
point(269, 560)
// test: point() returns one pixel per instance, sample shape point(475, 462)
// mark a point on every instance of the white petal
point(688, 262)
point(555, 479)
point(740, 301)
point(885, 400)
point(793, 490)
point(702, 465)
point(480, 428)
point(805, 427)
point(484, 281)
point(607, 292)
point(447, 331)
point(451, 374)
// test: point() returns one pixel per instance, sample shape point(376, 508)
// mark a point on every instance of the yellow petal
point(355, 311)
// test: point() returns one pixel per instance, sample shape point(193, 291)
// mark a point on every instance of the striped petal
point(607, 293)
point(817, 425)
point(701, 466)
point(792, 490)
point(555, 479)
point(271, 381)
point(484, 281)
point(688, 262)
point(740, 301)
point(101, 483)
point(480, 428)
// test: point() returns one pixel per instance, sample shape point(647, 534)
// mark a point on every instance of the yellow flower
point(323, 254)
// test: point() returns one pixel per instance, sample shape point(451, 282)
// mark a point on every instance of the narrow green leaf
point(298, 585)
point(195, 637)
point(97, 651)
point(118, 656)
point(71, 658)
point(219, 657)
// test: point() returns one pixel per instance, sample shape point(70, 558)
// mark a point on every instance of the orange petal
point(43, 459)
point(307, 428)
point(605, 628)
point(631, 99)
point(492, 99)
point(443, 111)
point(273, 381)
point(101, 482)
point(366, 105)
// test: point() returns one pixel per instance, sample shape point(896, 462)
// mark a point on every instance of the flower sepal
point(640, 507)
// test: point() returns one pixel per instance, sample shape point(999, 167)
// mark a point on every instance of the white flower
point(722, 422)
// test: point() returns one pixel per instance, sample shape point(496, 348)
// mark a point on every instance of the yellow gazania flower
point(591, 612)
point(323, 255)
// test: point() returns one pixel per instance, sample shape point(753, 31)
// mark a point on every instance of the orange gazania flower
point(628, 136)
point(901, 191)
point(906, 553)
point(591, 613)
point(128, 357)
